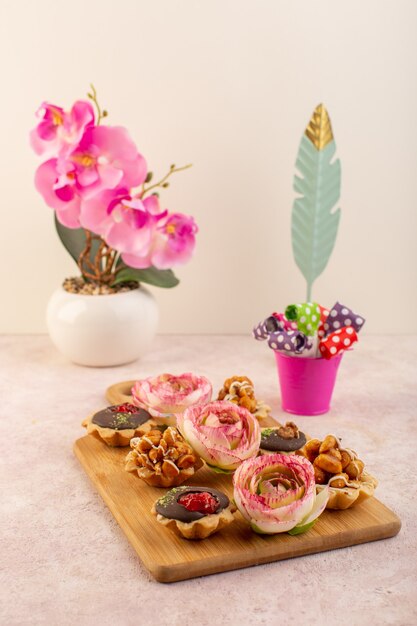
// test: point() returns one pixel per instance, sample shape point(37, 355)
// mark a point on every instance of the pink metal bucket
point(306, 384)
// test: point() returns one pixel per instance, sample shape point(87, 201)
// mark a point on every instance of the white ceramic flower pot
point(103, 330)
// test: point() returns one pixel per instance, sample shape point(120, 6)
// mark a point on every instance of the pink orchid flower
point(60, 130)
point(125, 222)
point(277, 493)
point(64, 200)
point(173, 243)
point(105, 158)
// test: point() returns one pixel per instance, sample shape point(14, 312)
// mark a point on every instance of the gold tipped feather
point(319, 129)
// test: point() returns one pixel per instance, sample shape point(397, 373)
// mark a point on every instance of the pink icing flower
point(167, 395)
point(276, 493)
point(173, 243)
point(222, 433)
point(60, 130)
point(66, 204)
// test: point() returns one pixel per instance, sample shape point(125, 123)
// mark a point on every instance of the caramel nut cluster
point(332, 464)
point(240, 391)
point(162, 459)
point(289, 431)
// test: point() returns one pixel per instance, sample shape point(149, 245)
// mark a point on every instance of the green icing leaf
point(298, 530)
point(314, 225)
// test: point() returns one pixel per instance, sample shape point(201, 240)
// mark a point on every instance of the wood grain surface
point(120, 392)
point(170, 558)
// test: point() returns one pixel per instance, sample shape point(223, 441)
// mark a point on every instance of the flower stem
point(100, 113)
point(172, 170)
point(100, 269)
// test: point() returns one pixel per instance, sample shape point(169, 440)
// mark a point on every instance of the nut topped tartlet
point(116, 425)
point(162, 458)
point(340, 469)
point(240, 391)
point(194, 512)
point(286, 439)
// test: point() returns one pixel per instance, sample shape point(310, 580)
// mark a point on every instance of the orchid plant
point(107, 207)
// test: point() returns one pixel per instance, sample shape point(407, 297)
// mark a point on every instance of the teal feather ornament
point(314, 223)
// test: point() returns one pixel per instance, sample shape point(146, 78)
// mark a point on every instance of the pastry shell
point(159, 480)
point(116, 438)
point(201, 528)
point(345, 497)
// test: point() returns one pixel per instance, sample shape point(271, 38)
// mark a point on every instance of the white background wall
point(230, 86)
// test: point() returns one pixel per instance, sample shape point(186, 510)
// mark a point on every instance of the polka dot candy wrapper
point(285, 323)
point(338, 341)
point(265, 328)
point(324, 313)
point(340, 316)
point(307, 316)
point(289, 341)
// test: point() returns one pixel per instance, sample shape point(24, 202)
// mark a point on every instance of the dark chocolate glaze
point(109, 418)
point(168, 505)
point(274, 443)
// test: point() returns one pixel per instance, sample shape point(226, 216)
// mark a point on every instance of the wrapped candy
point(336, 342)
point(265, 328)
point(307, 316)
point(291, 341)
point(341, 316)
point(324, 313)
point(286, 324)
point(311, 348)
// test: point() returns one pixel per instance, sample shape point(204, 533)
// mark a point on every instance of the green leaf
point(73, 240)
point(151, 276)
point(314, 225)
point(298, 530)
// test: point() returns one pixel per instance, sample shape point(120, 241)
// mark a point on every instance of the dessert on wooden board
point(240, 390)
point(167, 395)
point(222, 433)
point(162, 458)
point(116, 425)
point(194, 512)
point(341, 470)
point(282, 478)
point(287, 439)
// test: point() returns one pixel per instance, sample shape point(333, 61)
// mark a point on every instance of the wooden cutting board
point(170, 558)
point(120, 392)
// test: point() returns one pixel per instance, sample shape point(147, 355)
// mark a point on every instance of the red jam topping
point(124, 408)
point(201, 501)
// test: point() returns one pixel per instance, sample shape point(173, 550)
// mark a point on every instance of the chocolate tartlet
point(116, 425)
point(286, 439)
point(194, 512)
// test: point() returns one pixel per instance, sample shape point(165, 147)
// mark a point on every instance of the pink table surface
point(64, 560)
